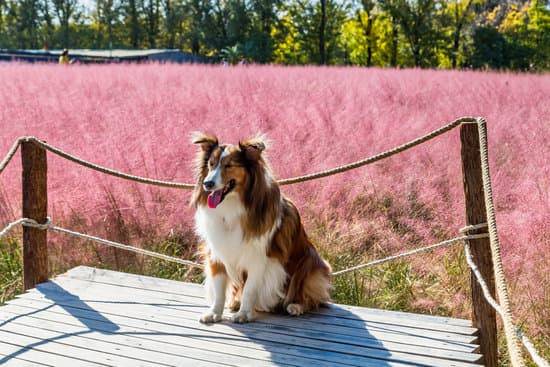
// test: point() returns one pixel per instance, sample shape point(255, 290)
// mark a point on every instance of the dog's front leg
point(218, 286)
point(249, 297)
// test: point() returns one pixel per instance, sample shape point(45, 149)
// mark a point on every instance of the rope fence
point(539, 361)
point(514, 336)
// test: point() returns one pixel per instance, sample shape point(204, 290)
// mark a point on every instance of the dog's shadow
point(330, 336)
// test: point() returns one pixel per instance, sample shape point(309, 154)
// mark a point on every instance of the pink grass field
point(138, 118)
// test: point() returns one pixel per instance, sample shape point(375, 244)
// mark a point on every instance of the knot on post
point(465, 230)
point(34, 224)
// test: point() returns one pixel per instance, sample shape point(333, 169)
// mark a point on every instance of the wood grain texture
point(483, 315)
point(35, 206)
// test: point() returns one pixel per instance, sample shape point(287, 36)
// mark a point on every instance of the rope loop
point(472, 227)
point(27, 222)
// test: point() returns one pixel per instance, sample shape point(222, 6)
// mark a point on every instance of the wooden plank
point(483, 315)
point(191, 289)
point(256, 334)
point(204, 337)
point(35, 206)
point(76, 352)
point(8, 361)
point(9, 350)
point(119, 354)
point(343, 311)
point(368, 336)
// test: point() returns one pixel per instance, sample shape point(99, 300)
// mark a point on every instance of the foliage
point(11, 272)
point(422, 33)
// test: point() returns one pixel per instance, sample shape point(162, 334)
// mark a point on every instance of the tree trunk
point(134, 24)
point(367, 31)
point(322, 51)
point(394, 42)
point(456, 45)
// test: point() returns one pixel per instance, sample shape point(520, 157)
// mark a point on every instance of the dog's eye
point(228, 165)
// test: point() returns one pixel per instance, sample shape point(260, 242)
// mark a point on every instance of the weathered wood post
point(35, 206)
point(483, 315)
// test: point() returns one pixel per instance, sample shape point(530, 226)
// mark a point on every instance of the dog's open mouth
point(216, 197)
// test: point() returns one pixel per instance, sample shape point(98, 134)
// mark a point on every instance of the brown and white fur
point(256, 249)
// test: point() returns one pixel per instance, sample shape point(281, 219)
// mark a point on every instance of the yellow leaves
point(516, 19)
point(287, 50)
point(353, 40)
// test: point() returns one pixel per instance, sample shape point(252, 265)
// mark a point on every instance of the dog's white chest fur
point(221, 229)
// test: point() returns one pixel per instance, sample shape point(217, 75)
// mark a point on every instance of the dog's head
point(226, 169)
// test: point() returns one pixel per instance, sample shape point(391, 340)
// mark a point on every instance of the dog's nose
point(208, 185)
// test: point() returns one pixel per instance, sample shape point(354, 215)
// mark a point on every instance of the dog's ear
point(253, 147)
point(206, 141)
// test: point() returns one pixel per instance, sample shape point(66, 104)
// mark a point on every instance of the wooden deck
point(91, 317)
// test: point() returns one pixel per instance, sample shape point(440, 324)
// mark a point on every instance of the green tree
point(418, 21)
point(26, 13)
point(65, 10)
point(317, 30)
point(367, 18)
point(151, 10)
point(527, 31)
point(460, 13)
point(132, 22)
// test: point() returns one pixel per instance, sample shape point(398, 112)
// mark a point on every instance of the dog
point(257, 253)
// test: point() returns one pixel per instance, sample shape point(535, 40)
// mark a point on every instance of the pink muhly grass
point(137, 118)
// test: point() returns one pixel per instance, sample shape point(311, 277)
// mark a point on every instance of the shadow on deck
point(90, 317)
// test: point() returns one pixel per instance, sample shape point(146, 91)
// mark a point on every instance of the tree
point(527, 31)
point(366, 18)
point(317, 35)
point(65, 11)
point(460, 12)
point(417, 20)
point(151, 9)
point(263, 16)
point(48, 28)
point(107, 19)
point(26, 13)
point(132, 22)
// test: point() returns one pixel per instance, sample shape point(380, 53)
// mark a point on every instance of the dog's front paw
point(210, 317)
point(243, 316)
point(295, 309)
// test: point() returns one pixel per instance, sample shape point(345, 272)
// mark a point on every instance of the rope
point(10, 154)
point(109, 171)
point(472, 227)
point(4, 232)
point(446, 243)
point(512, 340)
point(380, 156)
point(539, 361)
point(189, 186)
point(49, 226)
point(535, 356)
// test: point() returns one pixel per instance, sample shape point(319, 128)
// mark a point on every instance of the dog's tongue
point(215, 198)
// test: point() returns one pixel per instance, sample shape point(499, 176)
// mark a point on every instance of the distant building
point(102, 56)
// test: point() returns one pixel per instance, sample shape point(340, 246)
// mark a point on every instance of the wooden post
point(35, 206)
point(483, 315)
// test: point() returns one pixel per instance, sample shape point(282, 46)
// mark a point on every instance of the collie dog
point(257, 253)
